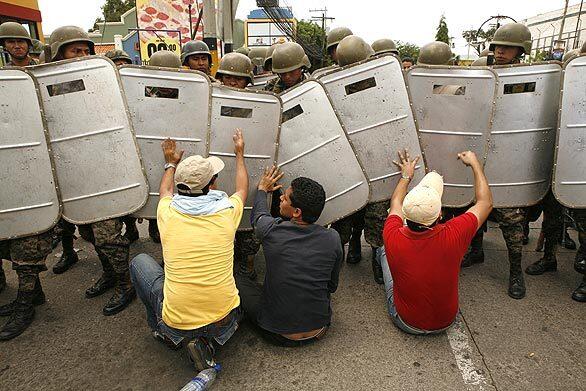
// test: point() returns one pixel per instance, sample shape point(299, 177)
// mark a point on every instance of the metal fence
point(574, 39)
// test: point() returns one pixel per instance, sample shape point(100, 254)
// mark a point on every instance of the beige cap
point(423, 203)
point(196, 172)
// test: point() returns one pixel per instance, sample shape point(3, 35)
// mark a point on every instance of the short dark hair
point(183, 190)
point(416, 227)
point(309, 196)
point(408, 59)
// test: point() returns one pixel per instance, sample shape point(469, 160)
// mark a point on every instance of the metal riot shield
point(29, 201)
point(322, 71)
point(569, 177)
point(258, 114)
point(453, 107)
point(522, 139)
point(313, 144)
point(96, 157)
point(372, 101)
point(166, 103)
point(261, 81)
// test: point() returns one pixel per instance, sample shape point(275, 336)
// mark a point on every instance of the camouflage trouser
point(552, 221)
point(246, 244)
point(347, 225)
point(375, 215)
point(510, 221)
point(28, 256)
point(107, 238)
point(580, 220)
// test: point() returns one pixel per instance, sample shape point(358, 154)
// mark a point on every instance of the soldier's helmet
point(257, 55)
point(289, 56)
point(512, 34)
point(583, 50)
point(571, 55)
point(13, 30)
point(480, 62)
point(353, 49)
point(118, 55)
point(269, 56)
point(165, 59)
point(384, 45)
point(243, 50)
point(37, 47)
point(435, 53)
point(336, 35)
point(235, 64)
point(195, 47)
point(66, 35)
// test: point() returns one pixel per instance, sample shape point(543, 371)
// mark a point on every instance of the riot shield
point(261, 81)
point(522, 139)
point(313, 144)
point(166, 103)
point(569, 177)
point(258, 114)
point(96, 157)
point(29, 201)
point(372, 101)
point(453, 107)
point(323, 71)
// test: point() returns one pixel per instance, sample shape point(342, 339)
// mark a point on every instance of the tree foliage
point(112, 10)
point(442, 34)
point(407, 49)
point(311, 36)
point(479, 39)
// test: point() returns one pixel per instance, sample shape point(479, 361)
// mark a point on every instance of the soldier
point(113, 249)
point(257, 55)
point(289, 62)
point(580, 261)
point(333, 39)
point(268, 63)
point(235, 71)
point(119, 57)
point(17, 42)
point(384, 45)
point(510, 43)
point(435, 53)
point(242, 50)
point(407, 63)
point(36, 50)
point(371, 218)
point(196, 56)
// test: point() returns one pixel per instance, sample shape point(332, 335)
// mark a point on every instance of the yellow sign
point(154, 44)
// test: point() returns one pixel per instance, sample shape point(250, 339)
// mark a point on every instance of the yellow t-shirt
point(198, 251)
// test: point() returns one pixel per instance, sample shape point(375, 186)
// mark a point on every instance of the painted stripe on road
point(458, 339)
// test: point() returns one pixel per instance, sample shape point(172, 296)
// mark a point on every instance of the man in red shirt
point(421, 260)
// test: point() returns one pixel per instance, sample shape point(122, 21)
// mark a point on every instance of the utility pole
point(563, 21)
point(323, 18)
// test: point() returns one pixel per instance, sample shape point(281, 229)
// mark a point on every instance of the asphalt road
point(498, 343)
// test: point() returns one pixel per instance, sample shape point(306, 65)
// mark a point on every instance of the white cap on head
point(423, 204)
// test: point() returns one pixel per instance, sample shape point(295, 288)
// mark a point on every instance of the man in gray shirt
point(303, 261)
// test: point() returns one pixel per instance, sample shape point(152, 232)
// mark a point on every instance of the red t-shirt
point(425, 268)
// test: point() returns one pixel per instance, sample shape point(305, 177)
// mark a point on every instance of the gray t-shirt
point(302, 268)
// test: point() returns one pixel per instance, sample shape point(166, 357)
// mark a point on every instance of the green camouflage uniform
point(552, 222)
point(580, 220)
point(353, 224)
point(277, 86)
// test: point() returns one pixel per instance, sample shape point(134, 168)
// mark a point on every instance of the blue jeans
point(381, 257)
point(148, 278)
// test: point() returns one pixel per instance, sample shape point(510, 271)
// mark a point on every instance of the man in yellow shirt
point(195, 297)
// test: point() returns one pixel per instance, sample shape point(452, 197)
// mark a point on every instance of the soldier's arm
point(241, 173)
point(483, 205)
point(172, 158)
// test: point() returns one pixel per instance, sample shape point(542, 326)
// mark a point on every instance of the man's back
point(425, 267)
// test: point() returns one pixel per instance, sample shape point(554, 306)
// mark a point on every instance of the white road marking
point(458, 339)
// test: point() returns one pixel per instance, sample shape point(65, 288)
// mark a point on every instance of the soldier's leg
point(344, 229)
point(154, 231)
point(475, 252)
point(375, 215)
point(355, 245)
point(114, 249)
point(131, 230)
point(246, 245)
point(4, 254)
point(580, 261)
point(510, 221)
point(69, 257)
point(2, 277)
point(552, 231)
point(28, 258)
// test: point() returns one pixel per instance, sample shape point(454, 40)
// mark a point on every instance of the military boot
point(354, 248)
point(580, 293)
point(124, 293)
point(516, 281)
point(154, 231)
point(2, 278)
point(475, 253)
point(546, 264)
point(68, 257)
point(377, 270)
point(38, 298)
point(23, 310)
point(131, 231)
point(106, 281)
point(567, 241)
